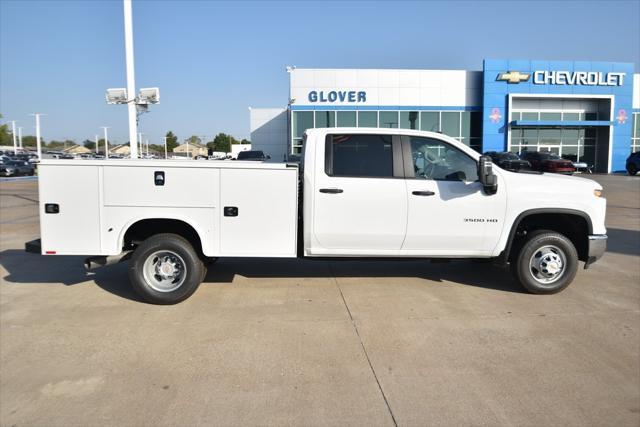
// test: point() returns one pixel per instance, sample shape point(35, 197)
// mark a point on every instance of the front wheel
point(165, 269)
point(546, 263)
point(632, 169)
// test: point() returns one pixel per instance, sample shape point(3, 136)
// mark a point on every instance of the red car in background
point(546, 161)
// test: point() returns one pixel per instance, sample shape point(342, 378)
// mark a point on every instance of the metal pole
point(38, 143)
point(141, 142)
point(97, 144)
point(106, 142)
point(165, 147)
point(131, 84)
point(20, 137)
point(13, 132)
point(187, 148)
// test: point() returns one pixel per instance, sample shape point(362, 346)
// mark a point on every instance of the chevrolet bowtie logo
point(513, 77)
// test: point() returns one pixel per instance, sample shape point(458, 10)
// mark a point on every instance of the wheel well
point(575, 227)
point(143, 229)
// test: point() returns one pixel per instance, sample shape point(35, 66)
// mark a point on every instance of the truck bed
point(99, 200)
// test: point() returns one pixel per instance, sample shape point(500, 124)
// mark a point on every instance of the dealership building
point(583, 111)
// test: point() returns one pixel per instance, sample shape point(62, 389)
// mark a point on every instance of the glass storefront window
point(529, 116)
point(388, 119)
point(325, 119)
point(347, 119)
point(302, 120)
point(550, 116)
point(550, 136)
point(516, 116)
point(451, 123)
point(636, 126)
point(591, 116)
point(430, 121)
point(367, 119)
point(570, 117)
point(409, 119)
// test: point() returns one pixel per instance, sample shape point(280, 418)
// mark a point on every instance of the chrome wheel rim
point(547, 264)
point(164, 271)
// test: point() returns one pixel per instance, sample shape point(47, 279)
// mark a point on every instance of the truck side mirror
point(488, 179)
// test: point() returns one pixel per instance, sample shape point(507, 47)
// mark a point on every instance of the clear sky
point(214, 59)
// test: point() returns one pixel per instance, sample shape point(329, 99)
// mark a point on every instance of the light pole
point(131, 84)
point(38, 143)
point(106, 142)
point(13, 132)
point(141, 142)
point(97, 144)
point(20, 137)
point(165, 148)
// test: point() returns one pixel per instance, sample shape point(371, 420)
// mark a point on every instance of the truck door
point(360, 200)
point(448, 211)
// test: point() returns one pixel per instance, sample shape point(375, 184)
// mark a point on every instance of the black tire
point(533, 250)
point(193, 271)
point(632, 169)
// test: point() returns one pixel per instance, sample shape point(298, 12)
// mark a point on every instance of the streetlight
point(106, 142)
point(97, 144)
point(165, 147)
point(13, 132)
point(38, 144)
point(20, 136)
point(141, 143)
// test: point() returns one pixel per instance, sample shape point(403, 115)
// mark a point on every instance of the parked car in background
point(255, 155)
point(546, 161)
point(633, 163)
point(18, 167)
point(6, 168)
point(508, 161)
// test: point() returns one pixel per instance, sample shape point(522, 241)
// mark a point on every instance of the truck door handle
point(331, 190)
point(423, 193)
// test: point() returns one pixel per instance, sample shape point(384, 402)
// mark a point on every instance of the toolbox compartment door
point(75, 228)
point(258, 212)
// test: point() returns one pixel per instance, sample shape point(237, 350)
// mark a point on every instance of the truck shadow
point(626, 242)
point(26, 268)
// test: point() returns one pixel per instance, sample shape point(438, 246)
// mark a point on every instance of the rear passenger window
point(359, 156)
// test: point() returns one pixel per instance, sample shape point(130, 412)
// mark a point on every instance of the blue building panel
point(572, 78)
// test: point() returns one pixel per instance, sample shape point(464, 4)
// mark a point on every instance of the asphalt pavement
point(302, 342)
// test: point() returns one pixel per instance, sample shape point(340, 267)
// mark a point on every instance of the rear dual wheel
point(166, 269)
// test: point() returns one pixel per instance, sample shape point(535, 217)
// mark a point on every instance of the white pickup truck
point(357, 193)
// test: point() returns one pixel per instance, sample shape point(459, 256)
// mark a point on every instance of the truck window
point(433, 159)
point(359, 156)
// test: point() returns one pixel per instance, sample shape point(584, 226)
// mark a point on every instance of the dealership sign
point(337, 96)
point(569, 78)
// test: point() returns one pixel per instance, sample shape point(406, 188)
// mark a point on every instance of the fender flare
point(135, 220)
point(503, 258)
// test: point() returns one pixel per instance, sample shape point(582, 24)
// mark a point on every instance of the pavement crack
point(364, 349)
point(24, 198)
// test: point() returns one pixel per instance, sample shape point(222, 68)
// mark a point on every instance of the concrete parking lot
point(297, 342)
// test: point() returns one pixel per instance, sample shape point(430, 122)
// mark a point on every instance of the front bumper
point(597, 247)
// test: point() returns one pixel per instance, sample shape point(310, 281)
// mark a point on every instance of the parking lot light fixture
point(165, 147)
point(20, 137)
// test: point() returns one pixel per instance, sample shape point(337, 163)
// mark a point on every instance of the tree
point(193, 139)
point(172, 141)
point(245, 141)
point(6, 138)
point(222, 142)
point(91, 145)
point(54, 145)
point(30, 141)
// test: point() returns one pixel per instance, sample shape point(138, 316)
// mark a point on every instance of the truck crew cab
point(357, 193)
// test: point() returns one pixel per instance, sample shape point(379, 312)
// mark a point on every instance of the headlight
point(598, 192)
